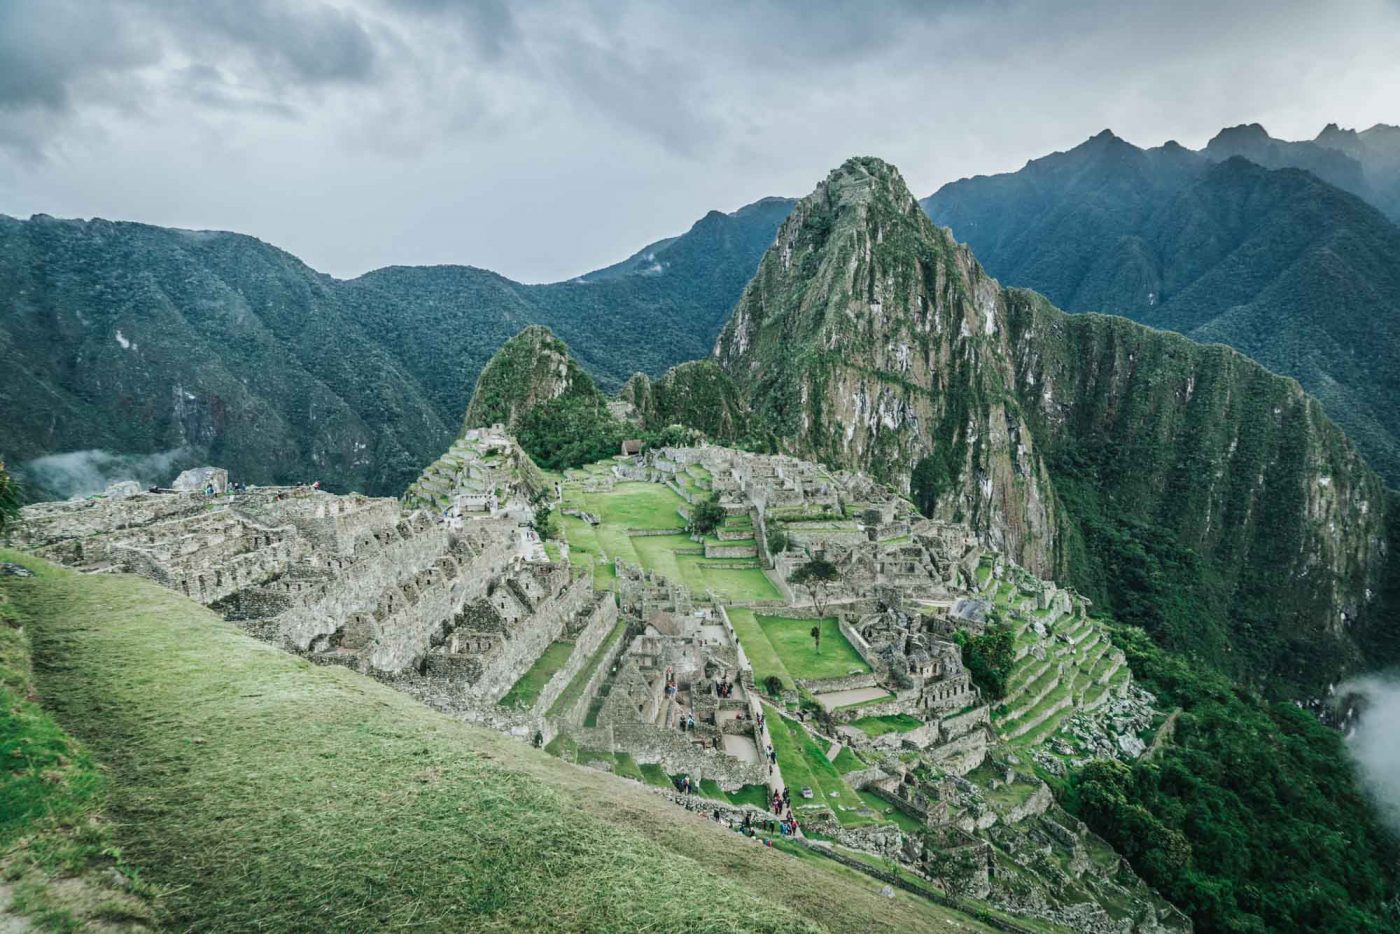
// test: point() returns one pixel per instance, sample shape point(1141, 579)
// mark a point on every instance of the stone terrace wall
point(528, 640)
point(601, 620)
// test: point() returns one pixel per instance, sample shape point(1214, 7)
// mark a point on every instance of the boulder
point(122, 489)
point(198, 480)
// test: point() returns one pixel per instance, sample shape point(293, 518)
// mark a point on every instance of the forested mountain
point(135, 339)
point(1365, 163)
point(1294, 272)
point(1182, 486)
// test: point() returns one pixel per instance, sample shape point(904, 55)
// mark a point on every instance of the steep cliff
point(1181, 485)
point(869, 339)
point(1296, 273)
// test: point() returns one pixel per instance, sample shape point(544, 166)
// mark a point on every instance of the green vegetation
point(762, 656)
point(790, 639)
point(57, 853)
point(706, 516)
point(804, 765)
point(816, 576)
point(887, 723)
point(847, 761)
point(989, 657)
point(9, 499)
point(1299, 275)
point(700, 396)
point(526, 691)
point(653, 507)
point(574, 689)
point(1250, 818)
point(569, 432)
point(257, 790)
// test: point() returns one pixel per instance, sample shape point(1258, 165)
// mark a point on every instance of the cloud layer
point(1375, 740)
point(545, 138)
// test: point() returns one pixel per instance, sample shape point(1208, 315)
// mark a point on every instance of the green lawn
point(890, 813)
point(526, 691)
point(790, 639)
point(847, 761)
point(636, 505)
point(804, 764)
point(256, 790)
point(762, 656)
point(889, 723)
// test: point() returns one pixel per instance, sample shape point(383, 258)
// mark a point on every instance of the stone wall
point(675, 752)
point(601, 619)
point(576, 713)
point(528, 640)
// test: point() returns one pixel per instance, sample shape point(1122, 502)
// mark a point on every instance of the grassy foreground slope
point(255, 790)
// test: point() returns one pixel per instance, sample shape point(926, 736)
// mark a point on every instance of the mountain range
point(218, 347)
point(1181, 485)
point(1257, 243)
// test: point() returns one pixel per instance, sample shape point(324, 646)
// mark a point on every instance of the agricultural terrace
point(631, 507)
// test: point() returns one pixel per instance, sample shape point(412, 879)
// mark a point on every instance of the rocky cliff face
point(869, 339)
point(1182, 486)
point(532, 368)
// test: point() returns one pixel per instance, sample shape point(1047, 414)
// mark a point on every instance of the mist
point(82, 473)
point(1374, 739)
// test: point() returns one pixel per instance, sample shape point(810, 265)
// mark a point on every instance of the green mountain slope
point(1284, 267)
point(1367, 163)
point(138, 339)
point(531, 369)
point(254, 790)
point(1182, 486)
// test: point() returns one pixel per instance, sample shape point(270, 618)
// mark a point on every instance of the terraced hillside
point(643, 525)
point(1065, 667)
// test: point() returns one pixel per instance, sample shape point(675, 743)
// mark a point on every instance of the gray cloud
point(1375, 740)
point(545, 137)
point(82, 473)
point(48, 48)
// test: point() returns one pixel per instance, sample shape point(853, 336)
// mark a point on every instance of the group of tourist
point(724, 688)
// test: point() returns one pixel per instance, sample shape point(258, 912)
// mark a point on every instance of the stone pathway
point(833, 752)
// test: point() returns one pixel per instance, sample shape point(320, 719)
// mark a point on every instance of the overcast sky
point(545, 139)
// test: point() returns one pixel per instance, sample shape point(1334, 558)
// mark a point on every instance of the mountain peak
point(530, 369)
point(1242, 131)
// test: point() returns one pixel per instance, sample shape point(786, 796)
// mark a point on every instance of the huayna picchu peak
point(587, 536)
point(1084, 446)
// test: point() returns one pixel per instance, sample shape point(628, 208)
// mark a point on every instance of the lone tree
point(816, 576)
point(543, 522)
point(816, 635)
point(707, 516)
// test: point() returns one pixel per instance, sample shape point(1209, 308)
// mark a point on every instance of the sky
point(545, 139)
